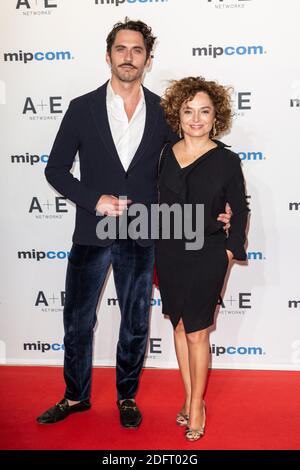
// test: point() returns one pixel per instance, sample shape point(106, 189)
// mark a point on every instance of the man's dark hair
point(128, 24)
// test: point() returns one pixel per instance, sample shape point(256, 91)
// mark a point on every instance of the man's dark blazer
point(85, 128)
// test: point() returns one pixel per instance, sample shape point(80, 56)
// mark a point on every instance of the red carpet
point(245, 410)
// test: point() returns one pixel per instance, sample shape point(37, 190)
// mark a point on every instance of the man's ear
point(148, 61)
point(107, 58)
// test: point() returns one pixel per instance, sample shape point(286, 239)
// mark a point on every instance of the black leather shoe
point(130, 415)
point(61, 410)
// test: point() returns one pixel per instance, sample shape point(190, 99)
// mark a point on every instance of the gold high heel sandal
point(182, 419)
point(195, 434)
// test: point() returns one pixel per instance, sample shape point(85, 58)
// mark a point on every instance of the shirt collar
point(112, 97)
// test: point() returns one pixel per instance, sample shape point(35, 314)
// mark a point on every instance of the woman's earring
point(179, 131)
point(214, 129)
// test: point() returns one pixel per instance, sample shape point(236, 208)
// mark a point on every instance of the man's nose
point(128, 55)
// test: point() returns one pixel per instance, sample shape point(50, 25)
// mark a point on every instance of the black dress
point(190, 281)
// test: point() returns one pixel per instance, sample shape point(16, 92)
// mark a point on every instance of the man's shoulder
point(86, 97)
point(151, 96)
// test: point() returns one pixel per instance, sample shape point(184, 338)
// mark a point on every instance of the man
point(119, 130)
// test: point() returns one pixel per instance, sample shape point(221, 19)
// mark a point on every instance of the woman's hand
point(225, 218)
point(230, 255)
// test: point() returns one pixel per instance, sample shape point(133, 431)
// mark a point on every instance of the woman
point(198, 170)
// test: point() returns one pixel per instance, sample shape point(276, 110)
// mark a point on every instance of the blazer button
point(126, 175)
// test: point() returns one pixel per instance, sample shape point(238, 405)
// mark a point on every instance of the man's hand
point(112, 205)
point(226, 217)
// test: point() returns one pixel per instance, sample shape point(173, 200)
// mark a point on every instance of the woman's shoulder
point(164, 155)
point(175, 146)
point(227, 154)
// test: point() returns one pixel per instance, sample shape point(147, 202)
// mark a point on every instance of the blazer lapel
point(151, 120)
point(99, 113)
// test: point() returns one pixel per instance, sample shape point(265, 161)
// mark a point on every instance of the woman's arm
point(236, 197)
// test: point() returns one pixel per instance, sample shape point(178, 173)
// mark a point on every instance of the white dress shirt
point(126, 135)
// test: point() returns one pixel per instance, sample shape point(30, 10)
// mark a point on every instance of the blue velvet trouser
point(87, 269)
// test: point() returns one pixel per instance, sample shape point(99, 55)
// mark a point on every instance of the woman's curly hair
point(184, 90)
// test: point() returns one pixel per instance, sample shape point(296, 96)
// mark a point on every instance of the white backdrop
point(54, 50)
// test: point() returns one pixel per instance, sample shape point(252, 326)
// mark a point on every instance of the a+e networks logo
point(226, 4)
point(48, 210)
point(42, 109)
point(36, 7)
point(235, 305)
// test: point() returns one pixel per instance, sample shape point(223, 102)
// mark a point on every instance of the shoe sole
point(130, 426)
point(54, 422)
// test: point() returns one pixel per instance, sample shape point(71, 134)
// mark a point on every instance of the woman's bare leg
point(182, 353)
point(199, 354)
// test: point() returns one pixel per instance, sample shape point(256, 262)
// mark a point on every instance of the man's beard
point(128, 76)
